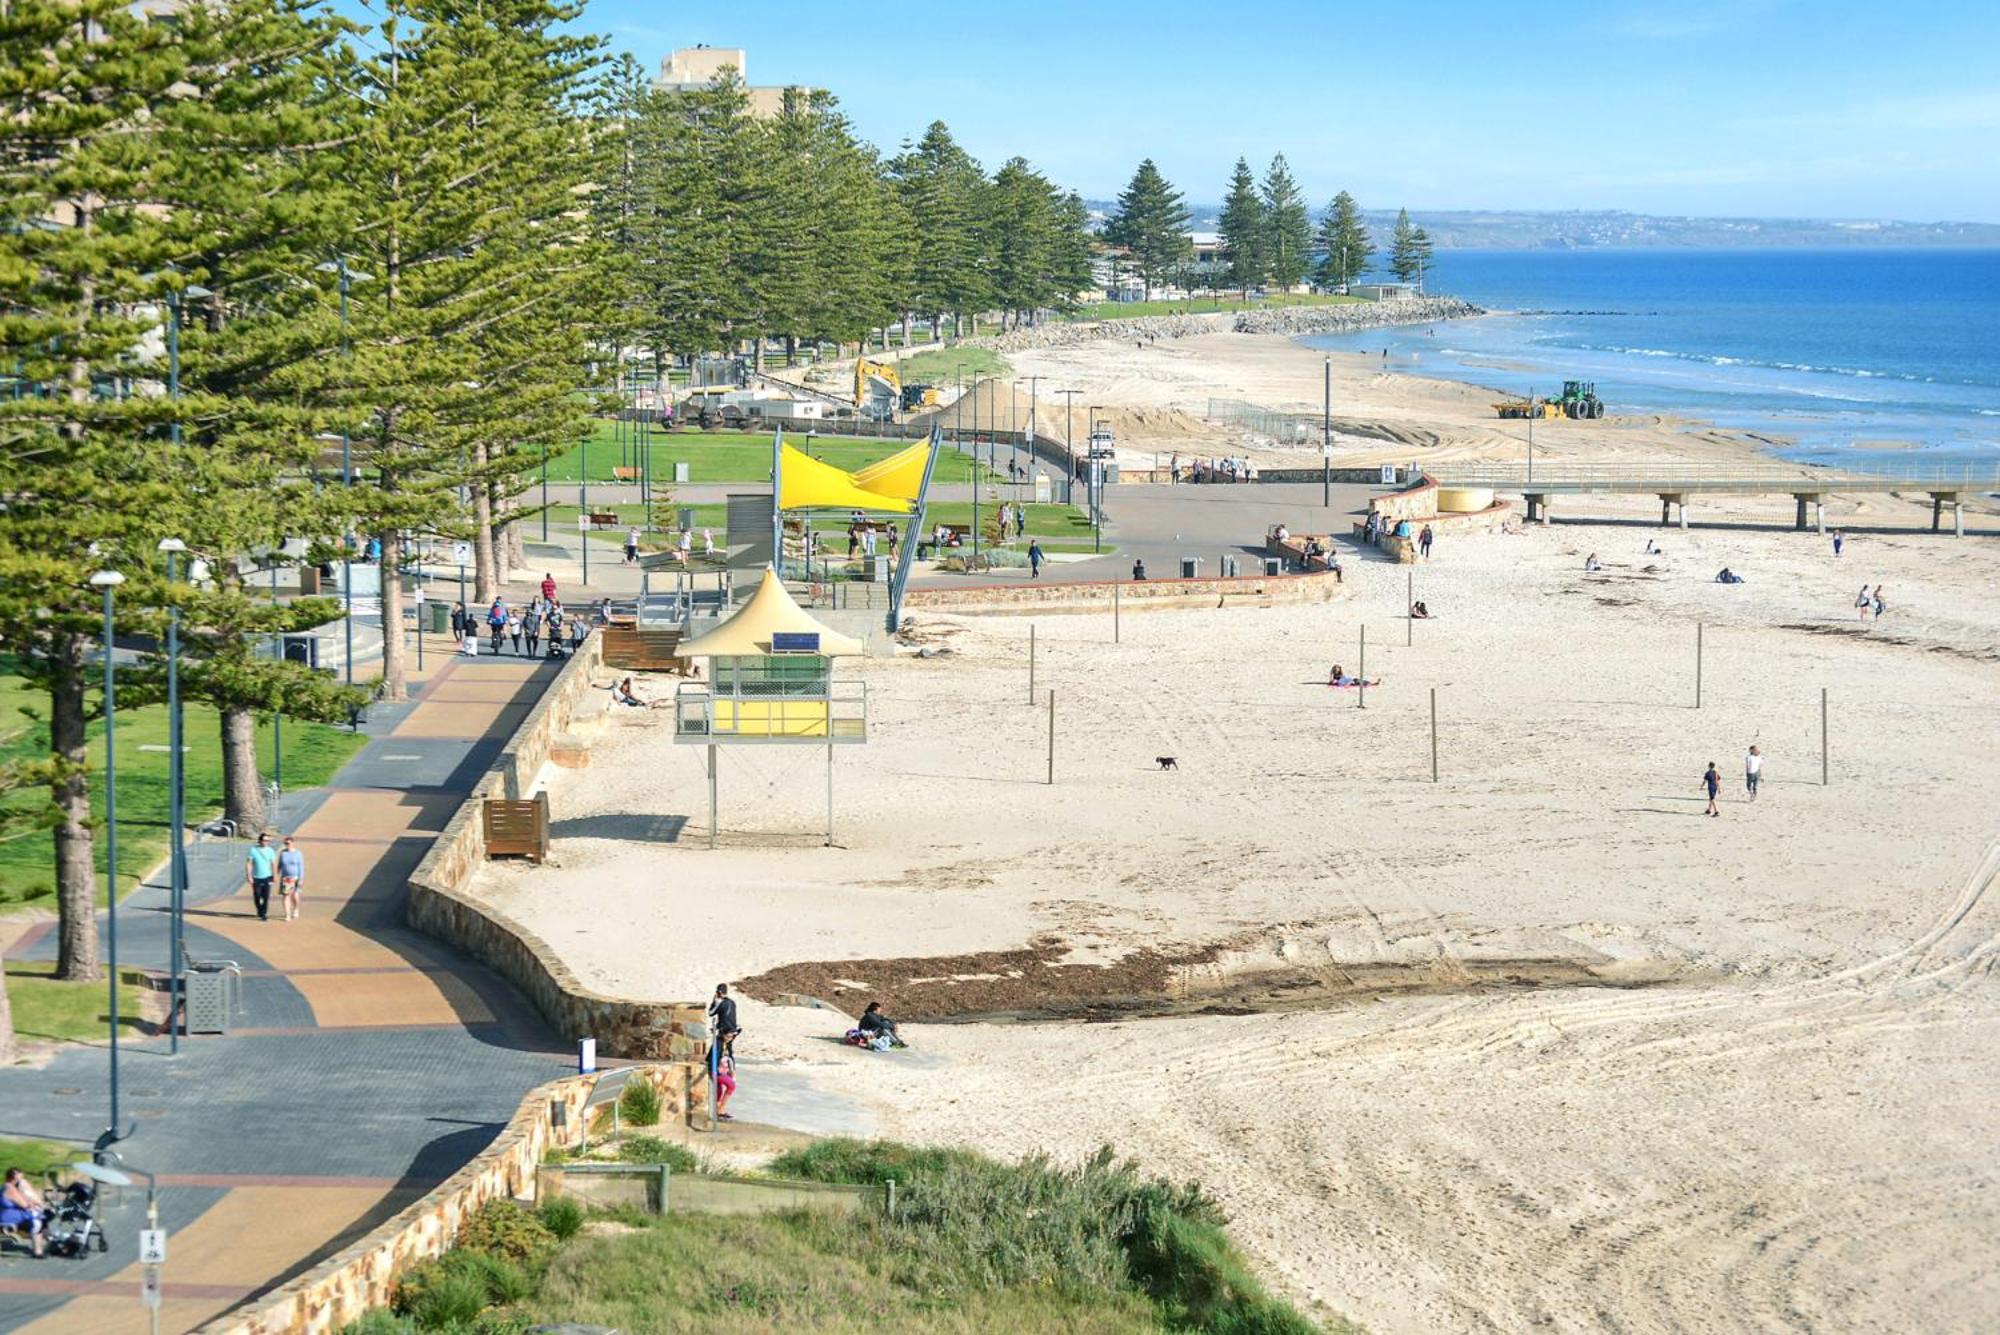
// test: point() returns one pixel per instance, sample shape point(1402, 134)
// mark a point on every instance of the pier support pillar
point(1958, 519)
point(1547, 519)
point(1666, 510)
point(1819, 514)
point(1799, 521)
point(1937, 511)
point(1682, 507)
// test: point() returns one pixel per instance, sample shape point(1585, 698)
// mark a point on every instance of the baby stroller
point(72, 1226)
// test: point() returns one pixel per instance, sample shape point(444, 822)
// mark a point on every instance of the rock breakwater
point(1340, 319)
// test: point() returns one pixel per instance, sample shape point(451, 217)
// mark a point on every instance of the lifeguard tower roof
point(759, 623)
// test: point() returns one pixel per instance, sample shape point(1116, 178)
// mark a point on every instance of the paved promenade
point(370, 1061)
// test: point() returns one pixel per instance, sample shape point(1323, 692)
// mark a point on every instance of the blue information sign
point(795, 642)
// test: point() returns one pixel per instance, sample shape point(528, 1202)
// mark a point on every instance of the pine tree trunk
point(76, 851)
point(242, 785)
point(791, 350)
point(395, 679)
point(485, 585)
point(906, 329)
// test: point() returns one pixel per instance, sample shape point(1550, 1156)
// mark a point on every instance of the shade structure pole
point(829, 781)
point(711, 787)
point(777, 515)
point(1361, 691)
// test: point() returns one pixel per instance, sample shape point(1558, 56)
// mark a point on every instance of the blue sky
point(1817, 108)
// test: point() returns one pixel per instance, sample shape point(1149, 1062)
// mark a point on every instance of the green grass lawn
point(1209, 305)
point(27, 865)
point(728, 456)
point(1061, 528)
point(34, 1157)
point(942, 366)
point(64, 1012)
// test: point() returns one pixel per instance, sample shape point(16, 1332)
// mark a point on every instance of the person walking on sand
point(1424, 542)
point(1753, 771)
point(1839, 540)
point(1713, 782)
point(1861, 602)
point(1035, 559)
point(1880, 606)
point(259, 869)
point(291, 876)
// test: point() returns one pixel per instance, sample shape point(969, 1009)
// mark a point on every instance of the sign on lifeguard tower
point(795, 642)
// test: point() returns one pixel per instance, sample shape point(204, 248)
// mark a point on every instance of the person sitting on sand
point(875, 1027)
point(1591, 565)
point(623, 694)
point(1727, 576)
point(1337, 677)
point(1420, 612)
point(1653, 548)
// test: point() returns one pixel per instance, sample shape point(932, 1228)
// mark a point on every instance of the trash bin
point(437, 616)
point(1274, 565)
point(209, 997)
point(1190, 567)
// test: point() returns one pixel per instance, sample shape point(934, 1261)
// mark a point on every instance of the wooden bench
point(518, 827)
point(624, 474)
point(603, 519)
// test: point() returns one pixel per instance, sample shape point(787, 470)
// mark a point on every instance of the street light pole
point(1034, 421)
point(347, 482)
point(545, 492)
point(109, 580)
point(1094, 485)
point(176, 800)
point(1069, 444)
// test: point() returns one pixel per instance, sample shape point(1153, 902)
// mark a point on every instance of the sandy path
point(1795, 1132)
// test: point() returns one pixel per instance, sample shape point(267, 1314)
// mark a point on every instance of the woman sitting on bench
point(22, 1208)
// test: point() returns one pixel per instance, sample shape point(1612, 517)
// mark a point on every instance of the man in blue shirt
point(291, 876)
point(259, 869)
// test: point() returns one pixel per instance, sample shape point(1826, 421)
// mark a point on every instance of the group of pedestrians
point(524, 628)
point(283, 869)
point(1753, 776)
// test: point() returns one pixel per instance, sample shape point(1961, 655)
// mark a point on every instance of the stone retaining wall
point(439, 906)
point(363, 1275)
point(1096, 596)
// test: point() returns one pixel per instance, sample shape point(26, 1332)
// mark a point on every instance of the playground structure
point(770, 683)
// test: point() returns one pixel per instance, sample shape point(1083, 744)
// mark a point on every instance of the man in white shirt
point(1753, 771)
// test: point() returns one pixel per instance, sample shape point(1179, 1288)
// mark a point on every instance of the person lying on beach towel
point(1339, 678)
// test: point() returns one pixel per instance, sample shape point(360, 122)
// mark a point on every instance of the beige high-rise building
point(694, 67)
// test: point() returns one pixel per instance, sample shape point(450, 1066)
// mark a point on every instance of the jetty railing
point(1676, 477)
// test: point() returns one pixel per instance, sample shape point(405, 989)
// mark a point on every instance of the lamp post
point(176, 798)
point(109, 580)
point(1069, 444)
point(347, 279)
point(545, 492)
point(1034, 409)
point(1095, 486)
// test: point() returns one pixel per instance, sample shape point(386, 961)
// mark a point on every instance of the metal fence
point(1287, 428)
point(1669, 476)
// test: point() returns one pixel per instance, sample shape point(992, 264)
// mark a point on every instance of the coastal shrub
point(640, 1104)
point(380, 1321)
point(867, 1163)
point(651, 1149)
point(562, 1217)
point(504, 1229)
point(441, 1294)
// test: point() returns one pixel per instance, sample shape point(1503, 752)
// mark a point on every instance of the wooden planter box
point(518, 827)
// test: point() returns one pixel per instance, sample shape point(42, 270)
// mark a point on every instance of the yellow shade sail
point(804, 483)
point(770, 611)
point(900, 475)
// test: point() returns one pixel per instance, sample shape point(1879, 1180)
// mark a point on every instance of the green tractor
point(1578, 401)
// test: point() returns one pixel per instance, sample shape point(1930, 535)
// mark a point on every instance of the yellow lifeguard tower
point(770, 682)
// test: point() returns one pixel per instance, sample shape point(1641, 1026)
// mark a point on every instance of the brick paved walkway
point(371, 1061)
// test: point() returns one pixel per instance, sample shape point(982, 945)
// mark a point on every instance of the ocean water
point(1859, 356)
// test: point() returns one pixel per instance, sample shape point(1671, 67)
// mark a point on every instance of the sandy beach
point(1539, 1045)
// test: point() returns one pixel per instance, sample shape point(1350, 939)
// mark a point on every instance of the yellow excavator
point(879, 390)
